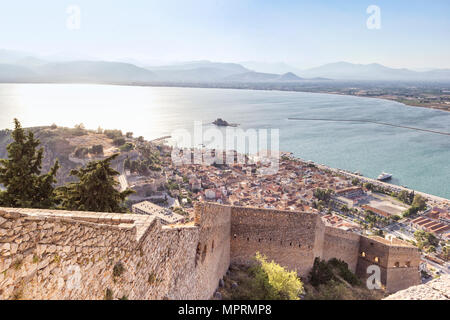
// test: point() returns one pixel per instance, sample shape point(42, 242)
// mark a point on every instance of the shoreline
point(390, 186)
point(230, 87)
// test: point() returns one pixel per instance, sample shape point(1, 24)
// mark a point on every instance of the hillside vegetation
point(333, 280)
point(265, 280)
point(26, 185)
point(73, 147)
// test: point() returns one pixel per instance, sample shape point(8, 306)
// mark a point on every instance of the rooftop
point(164, 214)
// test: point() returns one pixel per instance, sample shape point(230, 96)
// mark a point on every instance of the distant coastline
point(260, 86)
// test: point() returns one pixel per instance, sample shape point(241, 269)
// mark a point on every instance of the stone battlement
point(51, 254)
point(47, 254)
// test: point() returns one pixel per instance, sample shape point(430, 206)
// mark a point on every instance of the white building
point(344, 201)
point(166, 216)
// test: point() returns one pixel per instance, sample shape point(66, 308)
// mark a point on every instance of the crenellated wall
point(47, 254)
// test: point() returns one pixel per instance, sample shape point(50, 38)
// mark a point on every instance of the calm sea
point(418, 160)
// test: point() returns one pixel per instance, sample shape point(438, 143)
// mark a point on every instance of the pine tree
point(45, 195)
point(96, 189)
point(20, 173)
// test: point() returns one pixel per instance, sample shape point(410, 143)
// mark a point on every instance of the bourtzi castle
point(47, 254)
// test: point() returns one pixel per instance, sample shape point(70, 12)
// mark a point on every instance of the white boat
point(384, 176)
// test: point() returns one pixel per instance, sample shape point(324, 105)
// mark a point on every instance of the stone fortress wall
point(47, 254)
point(78, 255)
point(398, 262)
point(287, 237)
point(341, 244)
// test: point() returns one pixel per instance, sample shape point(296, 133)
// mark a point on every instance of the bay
point(418, 160)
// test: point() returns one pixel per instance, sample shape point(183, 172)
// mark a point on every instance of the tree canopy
point(96, 189)
point(21, 175)
point(323, 194)
point(419, 202)
point(426, 240)
point(25, 186)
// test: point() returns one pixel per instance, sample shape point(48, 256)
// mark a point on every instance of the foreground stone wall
point(437, 289)
point(48, 254)
point(78, 255)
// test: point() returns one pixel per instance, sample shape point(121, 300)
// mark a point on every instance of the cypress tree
point(96, 189)
point(21, 175)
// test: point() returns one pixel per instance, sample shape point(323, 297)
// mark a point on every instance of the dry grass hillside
point(62, 144)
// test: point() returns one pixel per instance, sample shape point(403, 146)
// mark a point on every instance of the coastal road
point(386, 185)
point(443, 269)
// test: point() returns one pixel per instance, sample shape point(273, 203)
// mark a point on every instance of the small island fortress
point(222, 123)
point(49, 254)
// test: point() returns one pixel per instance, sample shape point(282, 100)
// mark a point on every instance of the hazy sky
point(303, 33)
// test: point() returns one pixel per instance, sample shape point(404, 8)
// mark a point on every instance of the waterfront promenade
point(389, 186)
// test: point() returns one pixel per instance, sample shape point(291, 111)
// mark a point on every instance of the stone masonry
point(48, 254)
point(437, 289)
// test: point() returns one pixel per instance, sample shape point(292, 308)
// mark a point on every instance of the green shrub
point(112, 134)
point(324, 272)
point(277, 282)
point(344, 272)
point(128, 146)
point(321, 273)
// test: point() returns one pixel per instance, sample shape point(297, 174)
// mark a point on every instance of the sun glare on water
point(127, 108)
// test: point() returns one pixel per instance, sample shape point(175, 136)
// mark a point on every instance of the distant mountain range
point(252, 76)
point(25, 67)
point(271, 67)
point(374, 71)
point(197, 71)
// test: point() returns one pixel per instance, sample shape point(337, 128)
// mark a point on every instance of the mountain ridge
point(373, 71)
point(25, 67)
